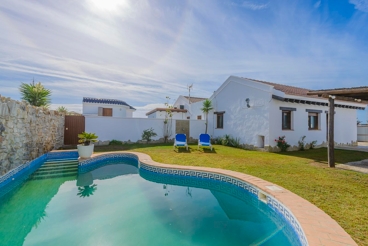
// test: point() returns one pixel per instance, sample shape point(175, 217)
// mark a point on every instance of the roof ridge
point(267, 82)
point(107, 101)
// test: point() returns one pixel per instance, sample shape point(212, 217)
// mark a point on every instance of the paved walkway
point(359, 166)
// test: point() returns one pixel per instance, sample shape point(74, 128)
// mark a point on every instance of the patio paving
point(359, 166)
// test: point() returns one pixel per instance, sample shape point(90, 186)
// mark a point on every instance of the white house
point(258, 112)
point(160, 113)
point(107, 107)
point(193, 106)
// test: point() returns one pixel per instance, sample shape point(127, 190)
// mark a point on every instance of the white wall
point(119, 111)
point(362, 133)
point(345, 124)
point(264, 117)
point(162, 115)
point(124, 129)
point(239, 120)
point(194, 109)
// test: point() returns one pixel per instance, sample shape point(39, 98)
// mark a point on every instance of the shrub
point(282, 144)
point(87, 138)
point(228, 140)
point(234, 142)
point(225, 140)
point(301, 143)
point(115, 142)
point(148, 134)
point(312, 144)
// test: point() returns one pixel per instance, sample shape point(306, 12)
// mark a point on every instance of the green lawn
point(340, 193)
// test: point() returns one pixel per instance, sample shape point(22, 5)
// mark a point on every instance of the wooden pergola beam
point(358, 95)
point(363, 90)
point(345, 98)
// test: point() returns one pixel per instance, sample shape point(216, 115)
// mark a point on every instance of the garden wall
point(27, 132)
point(131, 129)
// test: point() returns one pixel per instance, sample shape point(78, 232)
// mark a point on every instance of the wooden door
point(182, 126)
point(74, 125)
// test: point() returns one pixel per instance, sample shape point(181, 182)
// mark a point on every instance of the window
point(313, 121)
point(286, 120)
point(104, 111)
point(199, 117)
point(107, 112)
point(188, 117)
point(220, 121)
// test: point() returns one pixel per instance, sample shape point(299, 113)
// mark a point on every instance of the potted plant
point(85, 149)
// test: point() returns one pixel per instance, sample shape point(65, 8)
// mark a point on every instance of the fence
point(363, 133)
point(124, 129)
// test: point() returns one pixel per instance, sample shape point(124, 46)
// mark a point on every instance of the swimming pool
point(117, 200)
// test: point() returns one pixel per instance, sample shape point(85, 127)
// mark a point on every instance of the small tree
point(62, 109)
point(207, 107)
point(35, 94)
point(148, 134)
point(168, 120)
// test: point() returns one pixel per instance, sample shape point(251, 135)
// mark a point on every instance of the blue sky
point(141, 51)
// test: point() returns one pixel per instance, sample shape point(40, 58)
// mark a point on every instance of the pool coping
point(318, 227)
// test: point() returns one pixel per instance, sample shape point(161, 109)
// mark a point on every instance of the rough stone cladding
point(27, 132)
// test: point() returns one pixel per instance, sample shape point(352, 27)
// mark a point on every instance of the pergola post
point(331, 140)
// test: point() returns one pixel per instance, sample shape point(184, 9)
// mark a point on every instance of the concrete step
point(61, 167)
point(60, 161)
point(55, 175)
point(60, 164)
point(50, 171)
point(64, 159)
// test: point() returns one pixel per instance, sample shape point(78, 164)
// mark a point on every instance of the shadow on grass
point(209, 151)
point(320, 155)
point(183, 150)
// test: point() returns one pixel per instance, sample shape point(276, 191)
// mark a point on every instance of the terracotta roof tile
point(164, 109)
point(287, 89)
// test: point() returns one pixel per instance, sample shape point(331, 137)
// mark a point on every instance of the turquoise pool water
point(119, 204)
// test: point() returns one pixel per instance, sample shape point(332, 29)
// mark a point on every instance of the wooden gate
point(74, 125)
point(182, 126)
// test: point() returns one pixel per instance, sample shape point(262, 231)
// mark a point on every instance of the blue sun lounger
point(204, 141)
point(180, 141)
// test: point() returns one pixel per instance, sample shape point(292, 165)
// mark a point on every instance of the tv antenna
point(189, 88)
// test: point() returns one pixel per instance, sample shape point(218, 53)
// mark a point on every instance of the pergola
point(354, 94)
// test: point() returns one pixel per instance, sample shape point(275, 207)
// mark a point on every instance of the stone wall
point(27, 132)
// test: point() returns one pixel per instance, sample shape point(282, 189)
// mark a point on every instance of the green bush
point(312, 144)
point(148, 134)
point(282, 144)
point(301, 143)
point(115, 142)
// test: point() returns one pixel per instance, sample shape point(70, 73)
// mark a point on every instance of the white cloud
point(148, 50)
point(317, 4)
point(254, 6)
point(70, 107)
point(361, 5)
point(142, 110)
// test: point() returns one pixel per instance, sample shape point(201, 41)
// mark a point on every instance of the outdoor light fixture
point(333, 97)
point(247, 100)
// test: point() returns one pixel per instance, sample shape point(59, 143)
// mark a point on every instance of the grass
point(340, 193)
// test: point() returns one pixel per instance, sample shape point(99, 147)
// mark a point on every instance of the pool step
point(57, 168)
point(54, 175)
